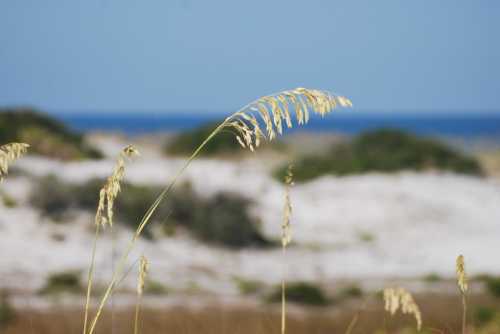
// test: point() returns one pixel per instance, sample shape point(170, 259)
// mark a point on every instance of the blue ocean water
point(456, 125)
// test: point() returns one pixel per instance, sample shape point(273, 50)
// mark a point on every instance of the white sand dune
point(375, 225)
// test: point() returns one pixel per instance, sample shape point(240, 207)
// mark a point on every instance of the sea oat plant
point(463, 287)
point(8, 154)
point(286, 238)
point(141, 281)
point(399, 299)
point(104, 215)
point(262, 119)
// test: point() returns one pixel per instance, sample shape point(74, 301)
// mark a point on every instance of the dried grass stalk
point(286, 238)
point(463, 287)
point(461, 275)
point(143, 272)
point(112, 187)
point(104, 215)
point(267, 113)
point(400, 299)
point(9, 153)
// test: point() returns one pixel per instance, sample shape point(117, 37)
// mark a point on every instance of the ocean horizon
point(461, 125)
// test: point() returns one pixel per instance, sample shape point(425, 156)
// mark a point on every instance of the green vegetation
point(220, 220)
point(46, 135)
point(7, 313)
point(248, 287)
point(223, 144)
point(300, 293)
point(352, 291)
point(493, 286)
point(7, 200)
point(484, 315)
point(63, 282)
point(186, 142)
point(432, 278)
point(383, 151)
point(153, 287)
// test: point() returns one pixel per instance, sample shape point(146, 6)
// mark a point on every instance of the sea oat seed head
point(275, 110)
point(399, 298)
point(461, 275)
point(143, 272)
point(112, 187)
point(9, 153)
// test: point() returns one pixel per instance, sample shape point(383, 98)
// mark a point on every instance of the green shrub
point(493, 286)
point(248, 287)
point(223, 144)
point(300, 293)
point(484, 315)
point(186, 142)
point(153, 287)
point(221, 220)
point(432, 278)
point(7, 313)
point(383, 151)
point(46, 135)
point(67, 281)
point(7, 200)
point(352, 291)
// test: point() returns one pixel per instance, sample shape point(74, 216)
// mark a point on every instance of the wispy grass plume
point(286, 238)
point(141, 281)
point(9, 153)
point(400, 299)
point(463, 287)
point(262, 119)
point(104, 214)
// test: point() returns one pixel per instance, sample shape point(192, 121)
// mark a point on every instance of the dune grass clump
point(46, 135)
point(186, 142)
point(7, 312)
point(493, 286)
point(223, 219)
point(63, 282)
point(385, 150)
point(304, 293)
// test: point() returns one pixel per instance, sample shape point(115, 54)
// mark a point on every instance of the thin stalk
point(90, 278)
point(137, 311)
point(283, 299)
point(352, 323)
point(145, 220)
point(464, 314)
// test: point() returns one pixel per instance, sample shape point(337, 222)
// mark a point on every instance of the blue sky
point(217, 55)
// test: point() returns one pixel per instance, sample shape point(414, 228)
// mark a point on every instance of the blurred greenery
point(66, 281)
point(384, 150)
point(352, 291)
point(484, 315)
point(222, 219)
point(46, 135)
point(493, 286)
point(185, 143)
point(247, 286)
point(153, 287)
point(7, 313)
point(301, 293)
point(223, 144)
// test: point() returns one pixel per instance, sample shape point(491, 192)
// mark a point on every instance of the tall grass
point(262, 119)
point(286, 238)
point(463, 287)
